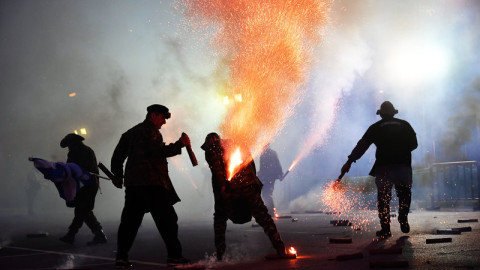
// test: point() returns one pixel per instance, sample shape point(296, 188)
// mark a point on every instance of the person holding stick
point(395, 139)
point(148, 187)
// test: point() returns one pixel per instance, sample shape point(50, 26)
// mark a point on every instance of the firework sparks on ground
point(268, 46)
point(339, 197)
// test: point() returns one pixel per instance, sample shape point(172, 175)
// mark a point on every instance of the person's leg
point(82, 209)
point(267, 196)
point(263, 218)
point(88, 202)
point(220, 227)
point(166, 220)
point(131, 219)
point(384, 195)
point(404, 194)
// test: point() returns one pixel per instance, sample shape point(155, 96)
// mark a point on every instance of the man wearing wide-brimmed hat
point(395, 139)
point(84, 202)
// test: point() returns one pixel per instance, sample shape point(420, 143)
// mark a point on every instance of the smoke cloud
point(119, 57)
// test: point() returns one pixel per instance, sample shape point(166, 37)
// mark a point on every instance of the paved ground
point(309, 233)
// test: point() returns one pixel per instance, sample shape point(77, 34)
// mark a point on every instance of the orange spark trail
point(268, 45)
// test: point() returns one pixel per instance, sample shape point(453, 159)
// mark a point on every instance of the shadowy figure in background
point(238, 199)
point(84, 201)
point(395, 139)
point(270, 171)
point(148, 187)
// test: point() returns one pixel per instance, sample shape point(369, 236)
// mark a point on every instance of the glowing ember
point(268, 47)
point(72, 94)
point(234, 162)
point(292, 251)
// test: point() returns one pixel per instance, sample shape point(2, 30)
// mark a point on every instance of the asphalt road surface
point(34, 245)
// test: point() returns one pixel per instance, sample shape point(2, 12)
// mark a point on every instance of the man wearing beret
point(84, 202)
point(395, 139)
point(148, 187)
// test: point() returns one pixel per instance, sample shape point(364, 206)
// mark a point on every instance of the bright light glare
point(415, 63)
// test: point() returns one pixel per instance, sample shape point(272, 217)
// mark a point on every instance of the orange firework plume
point(268, 45)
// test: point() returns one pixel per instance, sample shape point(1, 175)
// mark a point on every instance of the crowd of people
point(139, 164)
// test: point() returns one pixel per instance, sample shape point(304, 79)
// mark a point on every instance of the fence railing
point(454, 181)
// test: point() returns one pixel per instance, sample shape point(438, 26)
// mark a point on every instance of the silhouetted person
point(84, 201)
point(395, 139)
point(148, 187)
point(270, 171)
point(237, 199)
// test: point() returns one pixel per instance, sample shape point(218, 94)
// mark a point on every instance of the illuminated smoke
point(268, 44)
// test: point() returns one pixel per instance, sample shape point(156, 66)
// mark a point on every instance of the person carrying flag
point(84, 201)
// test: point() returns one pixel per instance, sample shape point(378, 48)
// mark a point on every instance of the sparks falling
point(339, 197)
point(268, 45)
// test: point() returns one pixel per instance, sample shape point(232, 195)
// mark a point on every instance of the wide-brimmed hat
point(387, 108)
point(71, 138)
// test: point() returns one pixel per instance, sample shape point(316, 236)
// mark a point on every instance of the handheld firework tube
point(116, 182)
point(191, 155)
point(283, 176)
point(340, 177)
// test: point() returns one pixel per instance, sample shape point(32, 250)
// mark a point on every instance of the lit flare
point(234, 163)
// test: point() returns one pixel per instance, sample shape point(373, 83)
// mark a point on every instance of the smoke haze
point(121, 56)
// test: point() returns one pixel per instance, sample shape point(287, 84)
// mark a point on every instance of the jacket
point(147, 155)
point(394, 138)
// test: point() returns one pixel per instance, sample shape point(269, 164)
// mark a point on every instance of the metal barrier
point(455, 181)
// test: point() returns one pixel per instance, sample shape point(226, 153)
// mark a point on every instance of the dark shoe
point(68, 238)
point(177, 261)
point(404, 226)
point(122, 264)
point(280, 248)
point(99, 238)
point(384, 233)
point(219, 256)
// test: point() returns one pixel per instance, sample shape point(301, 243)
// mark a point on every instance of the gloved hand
point(184, 139)
point(346, 167)
point(117, 182)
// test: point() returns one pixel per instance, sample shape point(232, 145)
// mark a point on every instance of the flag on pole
point(67, 177)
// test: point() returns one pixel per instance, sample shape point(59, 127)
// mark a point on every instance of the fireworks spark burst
point(268, 44)
point(338, 197)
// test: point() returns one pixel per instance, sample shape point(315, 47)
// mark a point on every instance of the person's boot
point(385, 231)
point(280, 248)
point(68, 238)
point(99, 238)
point(122, 264)
point(404, 226)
